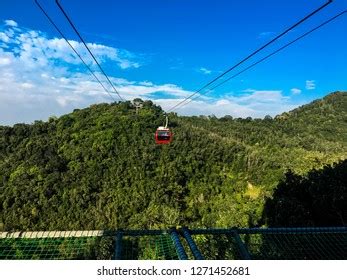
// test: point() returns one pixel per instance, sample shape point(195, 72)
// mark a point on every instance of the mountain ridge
point(102, 162)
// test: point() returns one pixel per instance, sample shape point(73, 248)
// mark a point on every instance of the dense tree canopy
point(99, 167)
point(317, 199)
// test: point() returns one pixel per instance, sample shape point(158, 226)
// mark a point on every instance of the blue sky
point(164, 51)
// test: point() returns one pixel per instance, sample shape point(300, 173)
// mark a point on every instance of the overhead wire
point(253, 53)
point(74, 50)
point(273, 53)
point(86, 46)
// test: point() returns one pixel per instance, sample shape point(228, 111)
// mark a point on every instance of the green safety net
point(216, 246)
point(156, 247)
point(273, 245)
point(297, 246)
point(140, 246)
point(64, 248)
point(213, 244)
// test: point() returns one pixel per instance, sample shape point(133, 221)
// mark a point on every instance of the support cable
point(253, 53)
point(75, 51)
point(86, 46)
point(273, 53)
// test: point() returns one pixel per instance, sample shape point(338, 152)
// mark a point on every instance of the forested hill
point(100, 168)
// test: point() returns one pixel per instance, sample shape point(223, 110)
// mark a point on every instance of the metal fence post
point(241, 246)
point(118, 249)
point(197, 254)
point(178, 245)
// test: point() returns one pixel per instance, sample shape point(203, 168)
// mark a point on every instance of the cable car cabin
point(163, 135)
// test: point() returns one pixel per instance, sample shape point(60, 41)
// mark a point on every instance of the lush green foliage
point(318, 199)
point(100, 168)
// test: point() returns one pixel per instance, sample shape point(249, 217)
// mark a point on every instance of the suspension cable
point(271, 54)
point(86, 46)
point(75, 51)
point(253, 53)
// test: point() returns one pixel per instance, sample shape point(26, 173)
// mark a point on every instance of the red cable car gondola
point(163, 135)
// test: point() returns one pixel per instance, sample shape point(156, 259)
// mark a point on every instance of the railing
point(178, 243)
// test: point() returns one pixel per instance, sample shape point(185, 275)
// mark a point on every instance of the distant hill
point(100, 168)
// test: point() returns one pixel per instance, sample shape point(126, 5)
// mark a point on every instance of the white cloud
point(4, 61)
point(64, 101)
point(295, 91)
point(27, 85)
point(265, 34)
point(4, 37)
point(204, 70)
point(146, 83)
point(262, 96)
point(199, 107)
point(41, 77)
point(228, 107)
point(254, 103)
point(35, 48)
point(123, 57)
point(137, 90)
point(310, 84)
point(10, 22)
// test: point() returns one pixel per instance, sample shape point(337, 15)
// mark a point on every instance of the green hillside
point(100, 168)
